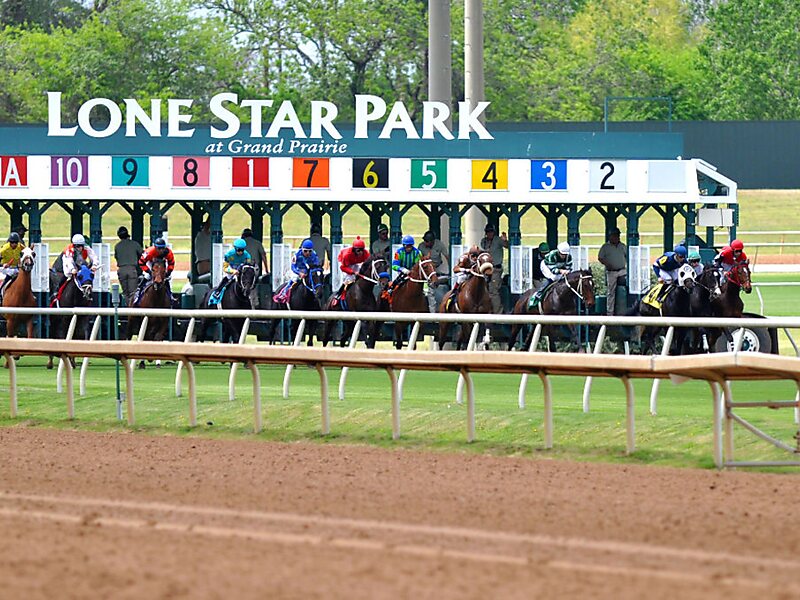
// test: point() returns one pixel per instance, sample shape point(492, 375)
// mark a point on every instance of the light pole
point(115, 302)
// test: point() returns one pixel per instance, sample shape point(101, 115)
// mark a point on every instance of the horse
point(154, 295)
point(706, 290)
point(729, 304)
point(306, 295)
point(236, 295)
point(676, 304)
point(19, 294)
point(76, 292)
point(563, 298)
point(409, 296)
point(472, 298)
point(358, 298)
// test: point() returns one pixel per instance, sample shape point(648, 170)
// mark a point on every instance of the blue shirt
point(301, 262)
point(405, 259)
point(232, 261)
point(666, 262)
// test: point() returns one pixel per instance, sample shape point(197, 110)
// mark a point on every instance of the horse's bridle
point(578, 291)
point(424, 274)
point(375, 279)
point(315, 286)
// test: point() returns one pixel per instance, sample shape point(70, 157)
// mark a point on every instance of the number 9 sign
point(130, 171)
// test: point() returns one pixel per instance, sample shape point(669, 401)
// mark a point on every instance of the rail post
point(235, 365)
point(60, 374)
point(179, 370)
point(395, 403)
point(473, 339)
point(657, 382)
point(630, 416)
point(70, 391)
point(467, 377)
point(523, 382)
point(587, 386)
point(85, 360)
point(323, 386)
point(353, 341)
point(142, 334)
point(257, 414)
point(716, 399)
point(728, 395)
point(192, 392)
point(548, 410)
point(12, 385)
point(128, 364)
point(298, 338)
point(412, 344)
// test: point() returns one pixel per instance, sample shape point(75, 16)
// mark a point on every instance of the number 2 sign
point(608, 175)
point(190, 171)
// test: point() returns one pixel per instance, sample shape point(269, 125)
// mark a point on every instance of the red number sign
point(250, 172)
point(311, 173)
point(13, 171)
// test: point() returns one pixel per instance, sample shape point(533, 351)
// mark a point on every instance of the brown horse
point(358, 298)
point(155, 295)
point(19, 294)
point(729, 303)
point(562, 299)
point(472, 298)
point(409, 296)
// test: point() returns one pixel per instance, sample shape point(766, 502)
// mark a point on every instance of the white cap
point(563, 247)
point(78, 240)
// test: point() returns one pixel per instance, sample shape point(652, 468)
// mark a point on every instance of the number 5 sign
point(428, 174)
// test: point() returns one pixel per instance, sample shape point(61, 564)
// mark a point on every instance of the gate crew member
point(667, 265)
point(494, 245)
point(382, 247)
point(127, 253)
point(404, 259)
point(730, 256)
point(440, 256)
point(614, 257)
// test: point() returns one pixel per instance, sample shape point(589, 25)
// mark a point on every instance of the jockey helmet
point(680, 251)
point(14, 238)
point(563, 247)
point(78, 240)
point(408, 240)
point(544, 248)
point(160, 243)
point(383, 227)
point(694, 255)
point(474, 251)
point(239, 244)
point(359, 243)
point(307, 245)
point(737, 245)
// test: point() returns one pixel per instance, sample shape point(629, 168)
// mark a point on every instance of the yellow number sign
point(489, 174)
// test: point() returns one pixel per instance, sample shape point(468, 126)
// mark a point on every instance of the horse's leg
point(443, 327)
point(398, 335)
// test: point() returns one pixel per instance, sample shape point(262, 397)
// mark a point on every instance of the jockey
point(233, 260)
point(405, 258)
point(557, 263)
point(9, 259)
point(466, 262)
point(694, 261)
point(667, 265)
point(351, 259)
point(77, 254)
point(730, 256)
point(304, 260)
point(158, 251)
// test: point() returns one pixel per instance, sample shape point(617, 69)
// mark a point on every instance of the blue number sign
point(548, 175)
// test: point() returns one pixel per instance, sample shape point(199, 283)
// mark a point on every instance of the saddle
point(55, 301)
point(340, 299)
point(537, 298)
point(284, 293)
point(657, 295)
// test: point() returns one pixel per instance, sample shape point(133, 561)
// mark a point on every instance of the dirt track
point(127, 516)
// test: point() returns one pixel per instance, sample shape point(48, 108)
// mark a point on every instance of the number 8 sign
point(190, 171)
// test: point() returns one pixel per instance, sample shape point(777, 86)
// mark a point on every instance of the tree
point(751, 60)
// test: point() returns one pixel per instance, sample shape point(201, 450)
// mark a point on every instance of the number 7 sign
point(311, 173)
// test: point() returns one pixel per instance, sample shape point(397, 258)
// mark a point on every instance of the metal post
point(395, 403)
point(142, 334)
point(716, 400)
point(128, 365)
point(657, 382)
point(60, 373)
point(192, 392)
point(548, 410)
point(473, 339)
point(12, 385)
point(728, 397)
point(70, 391)
point(298, 338)
point(467, 377)
point(323, 386)
point(412, 343)
point(630, 416)
point(351, 345)
point(85, 361)
point(235, 365)
point(179, 370)
point(257, 414)
point(587, 386)
point(523, 383)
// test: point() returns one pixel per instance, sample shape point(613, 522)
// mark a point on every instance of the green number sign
point(428, 174)
point(130, 171)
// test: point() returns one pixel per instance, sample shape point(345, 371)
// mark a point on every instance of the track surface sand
point(127, 516)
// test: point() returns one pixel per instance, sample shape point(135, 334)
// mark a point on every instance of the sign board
point(40, 276)
point(521, 264)
point(392, 272)
point(217, 257)
point(281, 264)
point(580, 257)
point(639, 269)
point(102, 277)
point(336, 273)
